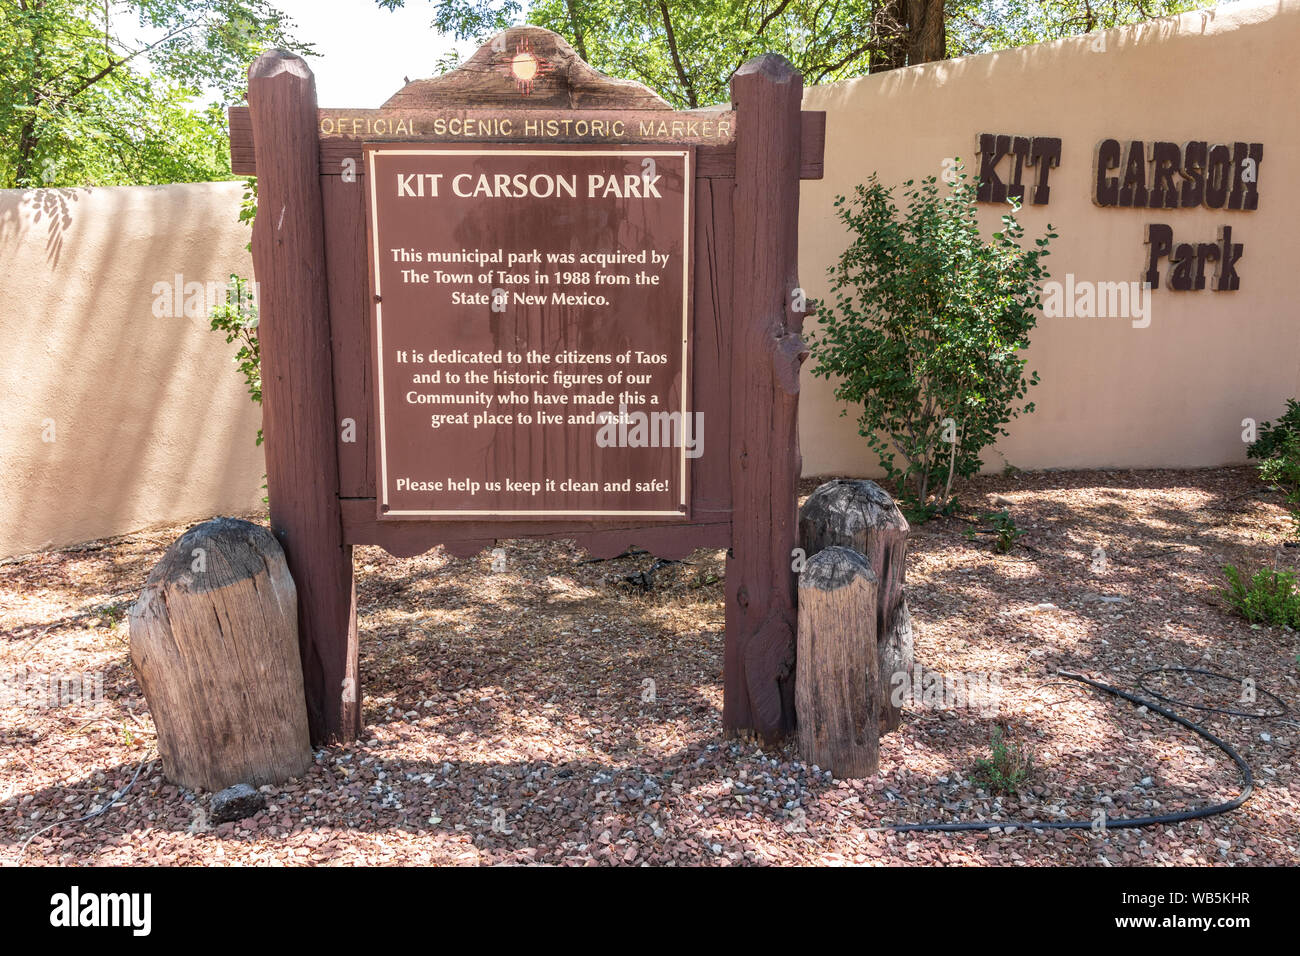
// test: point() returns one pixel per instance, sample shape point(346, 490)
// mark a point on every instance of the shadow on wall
point(127, 411)
point(51, 206)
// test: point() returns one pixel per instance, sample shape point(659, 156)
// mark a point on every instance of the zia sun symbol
point(523, 66)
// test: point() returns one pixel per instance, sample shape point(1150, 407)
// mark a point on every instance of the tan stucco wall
point(151, 420)
point(1173, 394)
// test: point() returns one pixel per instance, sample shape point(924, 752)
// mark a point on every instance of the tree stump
point(837, 680)
point(862, 516)
point(214, 644)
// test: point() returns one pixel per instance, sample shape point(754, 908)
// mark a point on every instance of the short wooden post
point(758, 671)
point(298, 388)
point(837, 678)
point(214, 644)
point(862, 516)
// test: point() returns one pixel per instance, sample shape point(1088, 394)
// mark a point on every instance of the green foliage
point(919, 512)
point(1277, 449)
point(1272, 437)
point(105, 94)
point(979, 26)
point(1006, 769)
point(687, 51)
point(1003, 527)
point(1267, 597)
point(236, 318)
point(1283, 470)
point(248, 206)
point(925, 333)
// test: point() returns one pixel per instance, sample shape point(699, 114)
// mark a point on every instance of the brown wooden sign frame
point(311, 263)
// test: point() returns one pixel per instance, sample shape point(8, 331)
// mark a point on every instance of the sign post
point(525, 299)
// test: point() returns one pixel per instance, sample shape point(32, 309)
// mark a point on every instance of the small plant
point(1006, 769)
point(1004, 527)
point(111, 615)
point(1267, 597)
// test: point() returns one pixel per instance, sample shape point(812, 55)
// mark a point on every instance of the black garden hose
point(1119, 823)
point(1281, 705)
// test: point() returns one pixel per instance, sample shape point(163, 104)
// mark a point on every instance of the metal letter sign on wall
point(547, 305)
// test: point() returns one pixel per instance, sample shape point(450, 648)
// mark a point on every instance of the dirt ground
point(552, 711)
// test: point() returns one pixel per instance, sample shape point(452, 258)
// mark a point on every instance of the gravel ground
point(550, 711)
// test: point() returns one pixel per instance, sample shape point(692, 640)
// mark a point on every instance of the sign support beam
point(298, 415)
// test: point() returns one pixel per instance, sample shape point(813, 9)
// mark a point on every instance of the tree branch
point(687, 86)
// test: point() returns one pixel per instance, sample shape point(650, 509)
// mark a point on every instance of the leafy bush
point(1277, 449)
point(1267, 597)
point(1273, 437)
point(1006, 769)
point(925, 333)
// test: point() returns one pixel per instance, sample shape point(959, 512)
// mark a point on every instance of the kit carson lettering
point(524, 186)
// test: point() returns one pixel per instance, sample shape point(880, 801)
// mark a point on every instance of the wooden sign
point(532, 326)
point(699, 273)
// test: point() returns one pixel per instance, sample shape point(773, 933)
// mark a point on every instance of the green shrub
point(1006, 769)
point(1267, 597)
point(1277, 449)
point(1272, 436)
point(926, 331)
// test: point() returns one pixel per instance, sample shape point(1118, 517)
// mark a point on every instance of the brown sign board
point(526, 104)
point(531, 329)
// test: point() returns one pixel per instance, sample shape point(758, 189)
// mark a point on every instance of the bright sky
point(364, 51)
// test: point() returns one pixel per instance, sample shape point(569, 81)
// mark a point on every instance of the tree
point(687, 50)
point(981, 26)
point(101, 93)
point(911, 32)
point(926, 330)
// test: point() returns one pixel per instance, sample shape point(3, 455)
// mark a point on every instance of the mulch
point(557, 710)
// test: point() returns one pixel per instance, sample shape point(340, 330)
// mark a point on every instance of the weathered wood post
point(861, 515)
point(838, 681)
point(766, 93)
point(214, 644)
point(297, 387)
